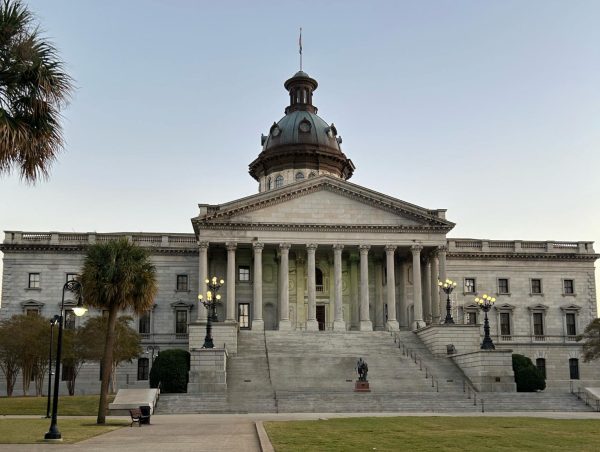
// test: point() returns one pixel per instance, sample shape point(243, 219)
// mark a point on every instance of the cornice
point(80, 249)
point(521, 256)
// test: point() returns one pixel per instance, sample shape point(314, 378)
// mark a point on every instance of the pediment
point(570, 307)
point(504, 307)
point(181, 305)
point(32, 304)
point(324, 201)
point(538, 307)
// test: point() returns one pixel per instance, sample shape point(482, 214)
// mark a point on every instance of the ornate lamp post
point(210, 303)
point(152, 349)
point(79, 310)
point(53, 322)
point(485, 303)
point(448, 286)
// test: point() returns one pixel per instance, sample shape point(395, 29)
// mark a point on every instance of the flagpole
point(300, 48)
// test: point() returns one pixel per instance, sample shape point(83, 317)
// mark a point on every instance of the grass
point(28, 431)
point(435, 433)
point(67, 405)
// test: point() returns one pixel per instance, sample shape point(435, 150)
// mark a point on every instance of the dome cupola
point(301, 144)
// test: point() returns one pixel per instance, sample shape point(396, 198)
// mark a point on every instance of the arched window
point(269, 183)
point(299, 176)
point(312, 174)
point(279, 181)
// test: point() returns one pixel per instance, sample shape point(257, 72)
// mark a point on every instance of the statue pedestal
point(361, 386)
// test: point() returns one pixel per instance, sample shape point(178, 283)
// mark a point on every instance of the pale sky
point(487, 109)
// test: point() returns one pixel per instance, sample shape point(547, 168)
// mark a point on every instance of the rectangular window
point(471, 318)
point(143, 368)
point(538, 324)
point(181, 322)
point(244, 273)
point(34, 281)
point(69, 319)
point(144, 324)
point(71, 277)
point(571, 328)
point(503, 286)
point(536, 286)
point(32, 311)
point(568, 287)
point(182, 283)
point(540, 363)
point(505, 324)
point(244, 315)
point(469, 285)
point(574, 368)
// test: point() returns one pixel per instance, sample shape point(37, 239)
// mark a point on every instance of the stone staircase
point(315, 372)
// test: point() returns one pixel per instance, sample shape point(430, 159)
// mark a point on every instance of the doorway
point(321, 316)
point(244, 315)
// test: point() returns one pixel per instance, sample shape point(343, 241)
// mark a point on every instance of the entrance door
point(321, 317)
point(244, 315)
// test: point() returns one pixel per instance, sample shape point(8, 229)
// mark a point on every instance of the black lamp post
point(485, 303)
point(79, 310)
point(210, 303)
point(53, 321)
point(152, 349)
point(448, 286)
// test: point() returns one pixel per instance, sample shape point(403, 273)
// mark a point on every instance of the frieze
point(320, 227)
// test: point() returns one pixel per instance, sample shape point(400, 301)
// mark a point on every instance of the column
point(378, 320)
point(404, 294)
point(284, 284)
point(257, 302)
point(435, 293)
point(338, 319)
point(426, 290)
point(202, 277)
point(392, 323)
point(442, 258)
point(365, 322)
point(230, 315)
point(354, 308)
point(417, 299)
point(311, 322)
point(300, 311)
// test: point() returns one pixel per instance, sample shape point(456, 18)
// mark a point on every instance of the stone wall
point(464, 338)
point(208, 370)
point(488, 370)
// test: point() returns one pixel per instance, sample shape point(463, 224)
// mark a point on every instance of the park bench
point(140, 415)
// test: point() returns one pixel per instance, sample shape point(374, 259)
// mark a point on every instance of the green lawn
point(27, 431)
point(436, 433)
point(67, 405)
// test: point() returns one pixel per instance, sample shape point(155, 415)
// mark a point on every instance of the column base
point(418, 324)
point(312, 325)
point(365, 325)
point(258, 325)
point(339, 325)
point(285, 325)
point(392, 325)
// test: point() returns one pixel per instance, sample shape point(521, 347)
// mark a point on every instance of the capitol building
point(312, 252)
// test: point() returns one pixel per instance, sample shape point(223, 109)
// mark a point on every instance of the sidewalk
point(225, 432)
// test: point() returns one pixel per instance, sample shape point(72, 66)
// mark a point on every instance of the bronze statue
point(362, 369)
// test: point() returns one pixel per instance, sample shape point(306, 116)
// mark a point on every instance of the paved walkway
point(223, 432)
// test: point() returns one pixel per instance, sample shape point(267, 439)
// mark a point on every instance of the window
point(574, 368)
point(269, 185)
point(181, 322)
point(568, 287)
point(144, 323)
point(299, 176)
point(279, 181)
point(34, 281)
point(471, 318)
point(536, 286)
point(71, 277)
point(312, 174)
point(182, 283)
point(67, 372)
point(538, 324)
point(69, 319)
point(571, 325)
point(469, 285)
point(32, 311)
point(503, 286)
point(244, 273)
point(505, 324)
point(540, 363)
point(143, 369)
point(244, 315)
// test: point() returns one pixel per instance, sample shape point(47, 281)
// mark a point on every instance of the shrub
point(170, 369)
point(527, 376)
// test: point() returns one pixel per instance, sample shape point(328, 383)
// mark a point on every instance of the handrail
point(416, 358)
point(588, 396)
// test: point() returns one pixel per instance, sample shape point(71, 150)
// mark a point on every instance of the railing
point(533, 338)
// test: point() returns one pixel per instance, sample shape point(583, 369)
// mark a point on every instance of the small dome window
point(304, 126)
point(279, 181)
point(312, 174)
point(299, 176)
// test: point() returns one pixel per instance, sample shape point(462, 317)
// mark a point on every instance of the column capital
point(231, 246)
point(338, 247)
point(203, 245)
point(284, 246)
point(258, 246)
point(364, 249)
point(416, 248)
point(442, 248)
point(311, 247)
point(390, 248)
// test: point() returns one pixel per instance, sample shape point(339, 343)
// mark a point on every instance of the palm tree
point(33, 89)
point(116, 276)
